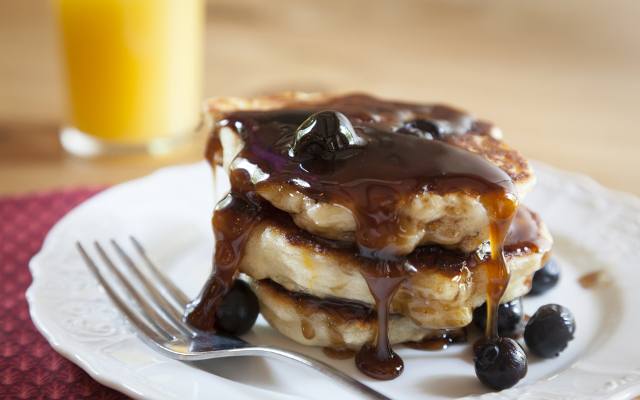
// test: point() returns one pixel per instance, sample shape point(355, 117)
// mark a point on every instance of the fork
point(158, 320)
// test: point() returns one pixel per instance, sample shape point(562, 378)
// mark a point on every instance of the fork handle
point(275, 352)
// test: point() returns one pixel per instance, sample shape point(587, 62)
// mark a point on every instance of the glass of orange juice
point(133, 73)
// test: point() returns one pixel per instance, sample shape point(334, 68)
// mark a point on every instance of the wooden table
point(561, 78)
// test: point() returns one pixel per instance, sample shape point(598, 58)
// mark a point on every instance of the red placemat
point(29, 367)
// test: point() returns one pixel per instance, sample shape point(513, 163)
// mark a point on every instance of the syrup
point(374, 180)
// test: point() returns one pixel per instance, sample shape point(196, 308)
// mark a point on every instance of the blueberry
point(549, 330)
point(545, 278)
point(326, 135)
point(421, 128)
point(509, 318)
point(239, 309)
point(500, 362)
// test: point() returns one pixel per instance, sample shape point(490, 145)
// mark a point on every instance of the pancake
point(456, 219)
point(401, 208)
point(442, 292)
point(333, 323)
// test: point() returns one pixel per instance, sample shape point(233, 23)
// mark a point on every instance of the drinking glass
point(133, 72)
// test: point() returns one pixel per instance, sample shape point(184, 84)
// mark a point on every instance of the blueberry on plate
point(500, 363)
point(239, 309)
point(549, 330)
point(545, 278)
point(509, 318)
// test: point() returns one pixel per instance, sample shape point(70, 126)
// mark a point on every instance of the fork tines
point(153, 314)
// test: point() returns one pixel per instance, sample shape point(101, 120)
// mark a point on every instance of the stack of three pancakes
point(302, 252)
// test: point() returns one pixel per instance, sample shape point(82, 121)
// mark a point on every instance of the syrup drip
point(440, 342)
point(338, 354)
point(307, 329)
point(335, 311)
point(379, 361)
point(501, 209)
point(524, 237)
point(234, 218)
point(374, 182)
point(524, 234)
point(307, 309)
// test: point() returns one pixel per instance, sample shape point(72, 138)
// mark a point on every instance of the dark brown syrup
point(441, 341)
point(338, 354)
point(592, 279)
point(501, 210)
point(232, 222)
point(386, 155)
point(336, 311)
point(378, 360)
point(524, 237)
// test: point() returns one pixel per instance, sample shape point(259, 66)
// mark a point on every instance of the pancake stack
point(363, 223)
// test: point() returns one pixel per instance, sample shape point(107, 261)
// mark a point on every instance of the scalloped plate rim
point(98, 372)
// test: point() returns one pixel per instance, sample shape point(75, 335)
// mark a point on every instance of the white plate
point(594, 228)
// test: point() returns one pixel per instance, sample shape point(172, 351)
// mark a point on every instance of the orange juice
point(133, 67)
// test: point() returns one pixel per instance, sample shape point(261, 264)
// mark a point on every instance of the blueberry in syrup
point(510, 317)
point(326, 135)
point(239, 309)
point(549, 330)
point(421, 128)
point(500, 362)
point(545, 278)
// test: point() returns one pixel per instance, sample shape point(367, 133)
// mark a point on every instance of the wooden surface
point(562, 79)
